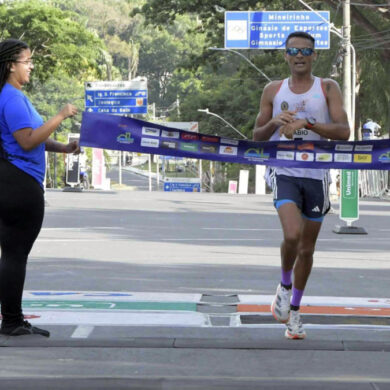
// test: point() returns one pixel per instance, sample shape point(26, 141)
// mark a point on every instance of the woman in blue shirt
point(24, 137)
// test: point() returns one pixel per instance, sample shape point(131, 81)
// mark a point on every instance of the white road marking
point(82, 331)
point(107, 296)
point(119, 318)
point(239, 229)
point(84, 228)
point(319, 301)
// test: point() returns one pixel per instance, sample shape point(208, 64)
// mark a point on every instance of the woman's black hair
point(9, 52)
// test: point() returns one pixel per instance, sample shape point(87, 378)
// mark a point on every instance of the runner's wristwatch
point(310, 122)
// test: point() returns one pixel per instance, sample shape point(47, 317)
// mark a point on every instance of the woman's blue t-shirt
point(16, 113)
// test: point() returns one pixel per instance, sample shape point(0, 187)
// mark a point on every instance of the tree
point(65, 55)
point(110, 20)
point(370, 35)
point(59, 44)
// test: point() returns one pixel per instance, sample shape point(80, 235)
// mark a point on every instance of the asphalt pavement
point(154, 290)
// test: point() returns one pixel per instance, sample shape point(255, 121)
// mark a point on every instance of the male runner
point(301, 107)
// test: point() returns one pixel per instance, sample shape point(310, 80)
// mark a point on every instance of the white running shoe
point(294, 325)
point(280, 306)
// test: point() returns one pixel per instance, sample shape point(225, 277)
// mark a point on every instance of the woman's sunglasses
point(306, 51)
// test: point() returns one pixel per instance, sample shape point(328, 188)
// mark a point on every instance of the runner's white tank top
point(309, 104)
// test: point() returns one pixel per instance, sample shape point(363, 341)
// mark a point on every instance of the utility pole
point(349, 196)
point(347, 88)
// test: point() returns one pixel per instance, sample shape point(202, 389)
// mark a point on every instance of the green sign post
point(349, 202)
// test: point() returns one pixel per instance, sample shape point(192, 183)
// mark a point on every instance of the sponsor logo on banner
point(125, 138)
point(169, 144)
point(385, 157)
point(343, 157)
point(282, 155)
point(150, 131)
point(150, 143)
point(324, 157)
point(191, 137)
point(208, 148)
point(189, 147)
point(304, 156)
point(286, 146)
point(206, 138)
point(362, 158)
point(256, 154)
point(228, 150)
point(229, 141)
point(170, 134)
point(364, 148)
point(344, 148)
point(306, 146)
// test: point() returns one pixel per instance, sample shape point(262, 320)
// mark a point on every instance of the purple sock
point(296, 296)
point(286, 277)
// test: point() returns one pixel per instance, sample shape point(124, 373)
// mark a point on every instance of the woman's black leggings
point(21, 216)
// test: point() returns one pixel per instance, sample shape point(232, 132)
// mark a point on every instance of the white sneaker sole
point(292, 336)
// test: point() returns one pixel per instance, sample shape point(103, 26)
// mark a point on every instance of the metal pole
point(200, 174)
point(245, 58)
point(347, 63)
point(211, 176)
point(150, 172)
point(158, 172)
point(178, 106)
point(120, 167)
point(222, 119)
point(227, 123)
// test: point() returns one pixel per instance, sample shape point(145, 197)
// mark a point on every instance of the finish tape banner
point(134, 135)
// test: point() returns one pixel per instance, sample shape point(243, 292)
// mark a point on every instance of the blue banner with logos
point(134, 135)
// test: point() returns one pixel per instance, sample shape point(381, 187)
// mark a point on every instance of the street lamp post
point(206, 111)
point(260, 169)
point(245, 58)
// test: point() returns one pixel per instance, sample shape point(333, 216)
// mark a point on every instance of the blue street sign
point(270, 29)
point(117, 97)
point(181, 187)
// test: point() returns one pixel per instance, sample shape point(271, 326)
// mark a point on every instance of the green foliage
point(168, 42)
point(58, 42)
point(65, 55)
point(369, 34)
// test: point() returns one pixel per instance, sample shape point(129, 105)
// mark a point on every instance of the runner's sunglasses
point(306, 51)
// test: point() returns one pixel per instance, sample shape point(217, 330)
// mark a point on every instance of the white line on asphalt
point(119, 318)
point(212, 239)
point(354, 239)
point(82, 331)
point(357, 327)
point(84, 228)
point(127, 239)
point(206, 228)
point(344, 239)
point(81, 239)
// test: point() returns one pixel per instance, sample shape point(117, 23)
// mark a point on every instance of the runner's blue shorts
point(310, 195)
